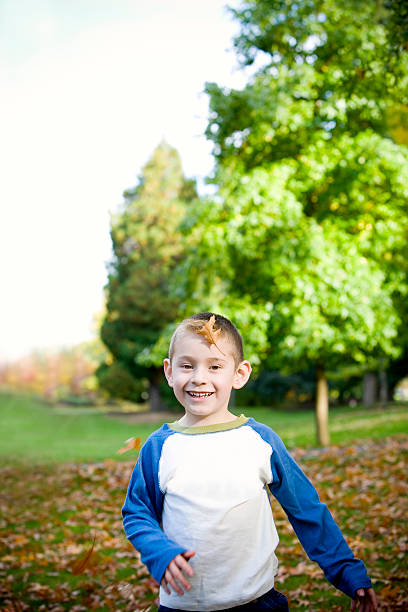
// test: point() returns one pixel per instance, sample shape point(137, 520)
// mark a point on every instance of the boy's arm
point(313, 524)
point(142, 515)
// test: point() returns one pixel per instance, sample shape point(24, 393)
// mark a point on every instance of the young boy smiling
point(197, 506)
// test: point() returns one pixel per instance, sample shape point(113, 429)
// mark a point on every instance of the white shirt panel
point(216, 504)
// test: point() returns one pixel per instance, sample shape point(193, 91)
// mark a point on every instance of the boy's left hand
point(367, 600)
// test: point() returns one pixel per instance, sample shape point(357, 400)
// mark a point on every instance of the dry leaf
point(210, 333)
point(80, 566)
point(131, 444)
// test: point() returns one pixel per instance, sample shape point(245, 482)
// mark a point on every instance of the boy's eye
point(186, 366)
point(215, 367)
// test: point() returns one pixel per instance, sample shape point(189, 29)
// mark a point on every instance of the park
point(298, 235)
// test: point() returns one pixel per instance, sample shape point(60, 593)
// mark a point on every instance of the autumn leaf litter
point(62, 545)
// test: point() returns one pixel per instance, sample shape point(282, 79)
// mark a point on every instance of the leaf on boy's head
point(210, 333)
point(131, 444)
point(80, 566)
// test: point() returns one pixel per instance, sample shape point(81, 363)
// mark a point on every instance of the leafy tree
point(327, 69)
point(146, 247)
point(307, 237)
point(322, 99)
point(301, 292)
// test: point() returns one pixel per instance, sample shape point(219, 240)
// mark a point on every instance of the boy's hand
point(367, 600)
point(174, 577)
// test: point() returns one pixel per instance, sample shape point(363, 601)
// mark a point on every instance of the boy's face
point(202, 376)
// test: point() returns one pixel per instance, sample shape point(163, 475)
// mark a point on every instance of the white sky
point(88, 90)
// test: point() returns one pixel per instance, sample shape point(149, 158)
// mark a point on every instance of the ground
point(51, 514)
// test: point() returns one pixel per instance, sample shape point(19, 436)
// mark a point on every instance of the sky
point(89, 89)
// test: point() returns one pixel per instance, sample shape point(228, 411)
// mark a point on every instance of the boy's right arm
point(142, 515)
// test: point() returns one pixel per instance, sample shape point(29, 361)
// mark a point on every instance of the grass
point(346, 424)
point(61, 461)
point(35, 431)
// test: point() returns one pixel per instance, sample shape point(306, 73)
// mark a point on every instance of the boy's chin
point(210, 415)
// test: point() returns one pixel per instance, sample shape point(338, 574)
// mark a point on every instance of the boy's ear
point(168, 371)
point(242, 374)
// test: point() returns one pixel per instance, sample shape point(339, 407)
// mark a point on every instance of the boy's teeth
point(202, 394)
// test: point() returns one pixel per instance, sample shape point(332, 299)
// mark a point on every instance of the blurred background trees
point(59, 375)
point(146, 247)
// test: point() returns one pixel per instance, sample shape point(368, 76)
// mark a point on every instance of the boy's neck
point(190, 420)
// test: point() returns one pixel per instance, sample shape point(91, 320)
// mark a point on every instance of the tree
point(301, 293)
point(323, 99)
point(146, 247)
point(308, 235)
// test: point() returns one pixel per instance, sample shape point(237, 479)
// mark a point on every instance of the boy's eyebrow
point(191, 358)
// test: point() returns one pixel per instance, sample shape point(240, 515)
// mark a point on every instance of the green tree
point(323, 99)
point(146, 246)
point(326, 69)
point(307, 236)
point(301, 292)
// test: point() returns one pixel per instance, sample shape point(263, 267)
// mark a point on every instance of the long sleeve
point(310, 518)
point(142, 512)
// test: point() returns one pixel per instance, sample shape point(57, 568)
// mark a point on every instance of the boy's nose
point(199, 377)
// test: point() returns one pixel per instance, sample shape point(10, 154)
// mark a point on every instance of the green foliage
point(396, 21)
point(146, 246)
point(300, 291)
point(326, 69)
point(118, 381)
point(308, 233)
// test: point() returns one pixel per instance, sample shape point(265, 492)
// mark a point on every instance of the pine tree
point(147, 244)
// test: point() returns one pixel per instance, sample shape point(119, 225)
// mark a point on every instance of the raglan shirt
point(205, 489)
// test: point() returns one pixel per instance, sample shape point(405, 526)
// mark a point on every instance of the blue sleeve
point(310, 518)
point(142, 511)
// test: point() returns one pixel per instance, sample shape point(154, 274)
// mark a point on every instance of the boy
point(197, 506)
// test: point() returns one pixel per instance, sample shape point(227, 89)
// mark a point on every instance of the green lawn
point(33, 430)
point(346, 424)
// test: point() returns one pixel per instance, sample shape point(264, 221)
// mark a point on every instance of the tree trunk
point(369, 389)
point(155, 400)
point(383, 383)
point(322, 408)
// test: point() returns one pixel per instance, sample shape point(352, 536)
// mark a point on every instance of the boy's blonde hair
point(228, 330)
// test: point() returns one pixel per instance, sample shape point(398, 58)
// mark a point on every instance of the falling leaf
point(210, 333)
point(131, 444)
point(80, 566)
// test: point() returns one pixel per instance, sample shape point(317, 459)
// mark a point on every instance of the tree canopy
point(305, 243)
point(146, 247)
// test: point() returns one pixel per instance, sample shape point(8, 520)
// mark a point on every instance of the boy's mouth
point(200, 393)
